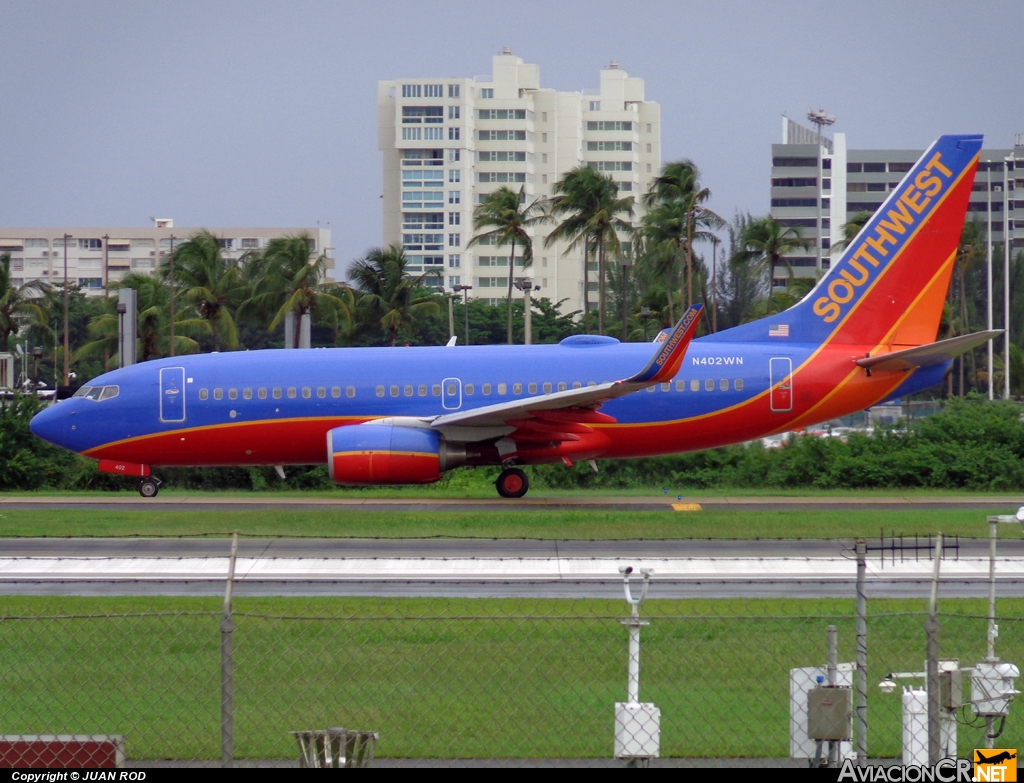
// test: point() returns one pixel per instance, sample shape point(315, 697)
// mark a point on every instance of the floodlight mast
point(819, 119)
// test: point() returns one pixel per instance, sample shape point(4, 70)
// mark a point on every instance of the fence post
point(862, 653)
point(932, 633)
point(832, 670)
point(227, 667)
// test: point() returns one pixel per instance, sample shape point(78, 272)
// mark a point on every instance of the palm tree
point(19, 302)
point(508, 217)
point(851, 228)
point(590, 204)
point(153, 306)
point(677, 214)
point(210, 283)
point(767, 241)
point(394, 298)
point(288, 280)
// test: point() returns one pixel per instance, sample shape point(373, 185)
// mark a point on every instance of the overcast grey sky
point(260, 113)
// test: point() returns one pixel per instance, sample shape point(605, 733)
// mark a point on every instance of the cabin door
point(781, 384)
point(172, 394)
point(451, 394)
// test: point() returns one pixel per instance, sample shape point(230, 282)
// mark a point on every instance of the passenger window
point(203, 394)
point(533, 388)
point(547, 388)
point(306, 392)
point(292, 393)
point(738, 384)
point(394, 391)
point(723, 384)
point(422, 390)
point(109, 392)
point(350, 391)
point(262, 392)
point(436, 390)
point(218, 394)
point(335, 392)
point(232, 394)
point(247, 393)
point(321, 392)
point(502, 388)
point(380, 391)
point(486, 389)
point(709, 385)
point(591, 383)
point(469, 388)
point(694, 385)
point(408, 391)
point(680, 386)
point(517, 388)
point(577, 385)
point(666, 386)
point(652, 388)
point(561, 386)
point(277, 392)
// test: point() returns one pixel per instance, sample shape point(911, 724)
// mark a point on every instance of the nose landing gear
point(149, 487)
point(512, 483)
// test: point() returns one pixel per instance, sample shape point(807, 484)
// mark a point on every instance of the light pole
point(988, 276)
point(465, 293)
point(714, 282)
point(67, 354)
point(645, 314)
point(527, 287)
point(1007, 241)
point(820, 119)
point(171, 278)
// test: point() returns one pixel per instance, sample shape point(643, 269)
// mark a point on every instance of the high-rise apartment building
point(98, 256)
point(854, 181)
point(447, 143)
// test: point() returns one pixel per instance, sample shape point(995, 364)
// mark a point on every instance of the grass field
point(454, 677)
point(549, 524)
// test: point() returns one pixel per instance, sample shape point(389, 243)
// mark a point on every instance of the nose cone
point(52, 425)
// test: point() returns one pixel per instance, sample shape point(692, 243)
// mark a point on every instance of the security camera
point(887, 686)
point(646, 571)
point(625, 570)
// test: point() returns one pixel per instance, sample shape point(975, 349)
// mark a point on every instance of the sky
point(262, 113)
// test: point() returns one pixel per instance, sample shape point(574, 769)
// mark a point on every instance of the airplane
point(996, 759)
point(865, 334)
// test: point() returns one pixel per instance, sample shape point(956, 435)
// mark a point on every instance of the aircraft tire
point(148, 488)
point(512, 483)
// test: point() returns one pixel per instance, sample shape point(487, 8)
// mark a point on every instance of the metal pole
point(106, 261)
point(465, 306)
point(862, 653)
point(451, 315)
point(831, 671)
point(932, 667)
point(714, 284)
point(993, 629)
point(1006, 279)
point(821, 194)
point(527, 317)
point(67, 353)
point(172, 293)
point(227, 674)
point(625, 295)
point(988, 257)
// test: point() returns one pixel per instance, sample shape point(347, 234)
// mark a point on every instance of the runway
point(994, 504)
point(491, 568)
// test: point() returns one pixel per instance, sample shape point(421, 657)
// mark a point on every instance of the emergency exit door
point(780, 370)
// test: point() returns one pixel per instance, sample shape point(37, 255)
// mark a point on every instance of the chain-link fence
point(503, 680)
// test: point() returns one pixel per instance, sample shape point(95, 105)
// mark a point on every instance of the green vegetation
point(580, 523)
point(449, 678)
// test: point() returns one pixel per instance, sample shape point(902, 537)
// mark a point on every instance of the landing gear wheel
point(512, 483)
point(148, 488)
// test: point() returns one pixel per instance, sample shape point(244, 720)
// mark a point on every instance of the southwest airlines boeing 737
point(866, 333)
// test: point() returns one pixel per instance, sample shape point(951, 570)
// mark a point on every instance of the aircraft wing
point(662, 368)
point(927, 355)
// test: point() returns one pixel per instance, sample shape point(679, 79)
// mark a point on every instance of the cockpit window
point(98, 392)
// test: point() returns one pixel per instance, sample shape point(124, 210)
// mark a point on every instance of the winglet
point(669, 358)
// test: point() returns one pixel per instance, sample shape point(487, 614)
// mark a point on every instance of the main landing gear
point(512, 483)
point(148, 487)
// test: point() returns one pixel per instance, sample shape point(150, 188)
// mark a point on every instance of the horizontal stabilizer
point(928, 355)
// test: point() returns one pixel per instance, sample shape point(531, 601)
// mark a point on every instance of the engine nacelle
point(387, 454)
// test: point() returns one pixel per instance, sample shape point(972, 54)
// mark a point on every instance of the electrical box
point(830, 713)
point(801, 682)
point(637, 730)
point(951, 685)
point(992, 688)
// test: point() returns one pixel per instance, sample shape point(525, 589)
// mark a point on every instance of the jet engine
point(388, 454)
